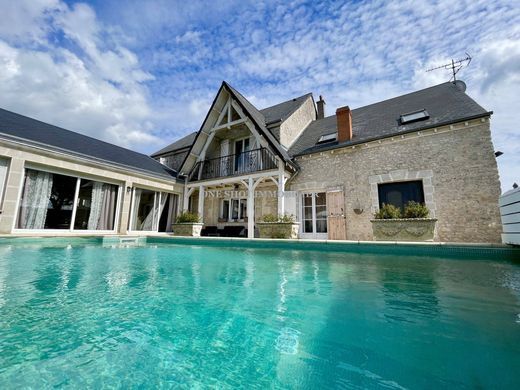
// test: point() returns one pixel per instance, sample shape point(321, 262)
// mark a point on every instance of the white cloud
point(131, 74)
point(90, 87)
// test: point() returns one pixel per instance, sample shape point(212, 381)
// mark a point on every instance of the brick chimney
point(344, 123)
point(321, 108)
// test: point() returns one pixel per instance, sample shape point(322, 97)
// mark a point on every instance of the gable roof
point(259, 120)
point(273, 114)
point(445, 103)
point(17, 127)
point(183, 143)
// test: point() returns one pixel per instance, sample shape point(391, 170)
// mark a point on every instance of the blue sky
point(142, 73)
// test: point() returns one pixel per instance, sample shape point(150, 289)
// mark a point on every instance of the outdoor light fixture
point(498, 153)
point(128, 190)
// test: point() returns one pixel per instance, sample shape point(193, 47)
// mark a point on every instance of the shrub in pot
point(278, 226)
point(187, 224)
point(413, 224)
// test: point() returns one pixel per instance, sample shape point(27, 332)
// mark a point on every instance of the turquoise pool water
point(161, 316)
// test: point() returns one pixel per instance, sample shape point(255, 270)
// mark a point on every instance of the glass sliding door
point(153, 211)
point(96, 208)
point(60, 202)
point(47, 201)
point(314, 215)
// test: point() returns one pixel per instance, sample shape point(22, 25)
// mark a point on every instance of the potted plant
point(278, 226)
point(413, 224)
point(187, 224)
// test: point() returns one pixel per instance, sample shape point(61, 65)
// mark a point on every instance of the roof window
point(414, 116)
point(327, 138)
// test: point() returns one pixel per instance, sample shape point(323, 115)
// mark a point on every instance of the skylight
point(327, 138)
point(414, 116)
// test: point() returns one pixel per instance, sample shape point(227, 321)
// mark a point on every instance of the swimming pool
point(76, 313)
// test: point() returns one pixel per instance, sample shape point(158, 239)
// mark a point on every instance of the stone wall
point(174, 160)
point(293, 126)
point(456, 164)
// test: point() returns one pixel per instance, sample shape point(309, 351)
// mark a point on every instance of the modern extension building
point(332, 173)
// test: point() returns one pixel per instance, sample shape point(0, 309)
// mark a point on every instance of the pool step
point(123, 241)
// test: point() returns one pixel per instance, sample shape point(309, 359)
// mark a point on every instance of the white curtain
point(35, 201)
point(96, 205)
point(135, 211)
point(4, 164)
point(147, 224)
point(103, 204)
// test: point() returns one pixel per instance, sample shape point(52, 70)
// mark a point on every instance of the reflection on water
point(168, 316)
point(409, 291)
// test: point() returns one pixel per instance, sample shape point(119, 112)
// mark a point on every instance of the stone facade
point(174, 160)
point(293, 126)
point(456, 164)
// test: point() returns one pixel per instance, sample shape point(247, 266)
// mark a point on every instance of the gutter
point(364, 141)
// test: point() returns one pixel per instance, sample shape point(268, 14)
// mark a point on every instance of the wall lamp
point(498, 153)
point(128, 190)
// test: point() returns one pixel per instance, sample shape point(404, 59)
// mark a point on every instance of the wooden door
point(336, 223)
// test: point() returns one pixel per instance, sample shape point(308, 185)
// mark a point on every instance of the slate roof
point(445, 103)
point(31, 131)
point(281, 111)
point(183, 143)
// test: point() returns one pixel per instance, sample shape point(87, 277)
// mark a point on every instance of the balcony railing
point(234, 164)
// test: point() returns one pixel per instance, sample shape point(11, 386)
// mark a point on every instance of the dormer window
point(414, 116)
point(327, 138)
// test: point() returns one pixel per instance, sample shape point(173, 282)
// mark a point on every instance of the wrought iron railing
point(234, 164)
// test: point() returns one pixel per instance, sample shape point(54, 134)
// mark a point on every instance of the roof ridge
point(287, 101)
point(74, 132)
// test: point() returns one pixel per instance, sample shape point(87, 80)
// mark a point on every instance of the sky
point(142, 73)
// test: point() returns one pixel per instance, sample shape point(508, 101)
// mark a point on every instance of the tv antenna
point(454, 66)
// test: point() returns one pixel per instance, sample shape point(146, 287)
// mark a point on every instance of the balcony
point(234, 165)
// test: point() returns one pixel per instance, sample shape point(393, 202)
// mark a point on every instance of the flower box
point(286, 230)
point(404, 229)
point(187, 229)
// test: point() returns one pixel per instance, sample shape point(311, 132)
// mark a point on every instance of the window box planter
point(404, 229)
point(188, 229)
point(286, 230)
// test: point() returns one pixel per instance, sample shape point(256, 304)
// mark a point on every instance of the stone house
point(432, 146)
point(331, 172)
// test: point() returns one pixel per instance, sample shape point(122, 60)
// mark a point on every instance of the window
point(326, 138)
point(241, 158)
point(152, 211)
point(398, 194)
point(314, 213)
point(54, 201)
point(414, 116)
point(4, 166)
point(233, 209)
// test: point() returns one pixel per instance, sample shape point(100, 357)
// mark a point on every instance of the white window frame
point(76, 193)
point(241, 218)
point(312, 235)
point(243, 141)
point(3, 183)
point(155, 223)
